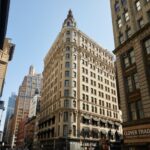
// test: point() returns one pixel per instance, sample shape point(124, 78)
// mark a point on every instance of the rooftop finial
point(69, 21)
point(70, 14)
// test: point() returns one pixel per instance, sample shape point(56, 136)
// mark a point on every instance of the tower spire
point(69, 21)
point(70, 14)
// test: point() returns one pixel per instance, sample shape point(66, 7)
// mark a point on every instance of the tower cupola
point(69, 21)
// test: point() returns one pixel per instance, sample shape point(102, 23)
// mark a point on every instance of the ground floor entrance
point(78, 144)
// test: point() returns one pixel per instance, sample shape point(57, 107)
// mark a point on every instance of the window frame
point(138, 5)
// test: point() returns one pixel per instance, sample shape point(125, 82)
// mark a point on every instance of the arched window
point(67, 48)
point(68, 23)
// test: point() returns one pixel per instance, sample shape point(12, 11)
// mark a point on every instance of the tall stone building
point(79, 105)
point(6, 54)
point(9, 113)
point(131, 25)
point(31, 82)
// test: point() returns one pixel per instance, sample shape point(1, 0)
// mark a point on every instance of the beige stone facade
point(133, 69)
point(79, 99)
point(30, 84)
point(5, 56)
point(128, 17)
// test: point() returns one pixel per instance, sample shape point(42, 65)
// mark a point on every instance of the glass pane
point(65, 130)
point(132, 57)
point(147, 46)
point(126, 62)
point(136, 81)
point(133, 111)
point(130, 86)
point(139, 109)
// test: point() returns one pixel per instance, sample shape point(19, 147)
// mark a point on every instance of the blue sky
point(34, 24)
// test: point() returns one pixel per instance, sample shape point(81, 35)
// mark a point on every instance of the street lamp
point(3, 145)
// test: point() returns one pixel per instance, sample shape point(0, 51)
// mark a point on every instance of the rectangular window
point(119, 23)
point(116, 6)
point(87, 107)
point(136, 81)
point(140, 110)
point(136, 110)
point(74, 83)
point(83, 106)
point(66, 103)
point(87, 98)
point(126, 16)
point(74, 65)
point(66, 92)
point(121, 38)
point(74, 57)
point(128, 32)
point(67, 73)
point(132, 57)
point(92, 108)
point(67, 56)
point(74, 117)
point(74, 93)
point(147, 46)
point(58, 130)
point(148, 15)
point(67, 39)
point(83, 96)
point(67, 48)
point(68, 32)
point(129, 58)
point(141, 22)
point(126, 62)
point(67, 65)
point(130, 86)
point(66, 83)
point(74, 74)
point(65, 130)
point(74, 130)
point(133, 82)
point(138, 5)
point(65, 116)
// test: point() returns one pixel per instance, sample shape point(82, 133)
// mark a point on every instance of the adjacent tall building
point(30, 84)
point(6, 54)
point(6, 47)
point(79, 105)
point(131, 25)
point(9, 113)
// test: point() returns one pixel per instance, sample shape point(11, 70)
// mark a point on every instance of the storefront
point(137, 137)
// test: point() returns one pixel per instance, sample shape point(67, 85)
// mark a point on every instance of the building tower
point(79, 103)
point(31, 82)
point(131, 26)
point(9, 113)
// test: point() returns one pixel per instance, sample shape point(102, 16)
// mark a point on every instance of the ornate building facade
point(6, 54)
point(79, 105)
point(131, 25)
